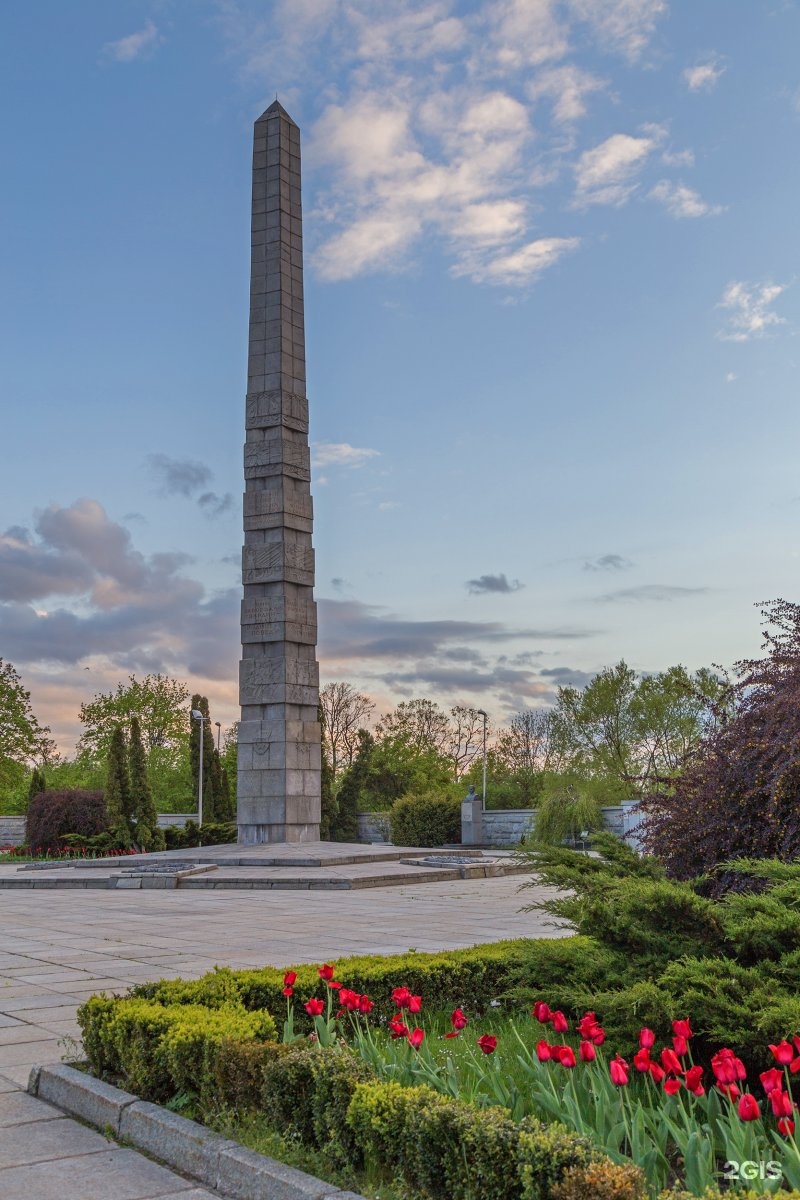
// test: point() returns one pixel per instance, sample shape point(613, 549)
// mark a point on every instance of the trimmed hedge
point(429, 820)
point(158, 1050)
point(473, 977)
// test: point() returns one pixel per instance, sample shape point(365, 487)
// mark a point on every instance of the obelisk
point(278, 787)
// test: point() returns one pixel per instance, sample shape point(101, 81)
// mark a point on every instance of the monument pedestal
point(471, 823)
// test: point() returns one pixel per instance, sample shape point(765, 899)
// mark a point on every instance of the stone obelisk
point(278, 785)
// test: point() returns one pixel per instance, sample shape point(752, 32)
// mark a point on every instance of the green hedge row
point(471, 978)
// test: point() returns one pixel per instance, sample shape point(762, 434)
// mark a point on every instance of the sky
point(552, 309)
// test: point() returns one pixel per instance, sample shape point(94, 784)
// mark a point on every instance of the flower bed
point(501, 1116)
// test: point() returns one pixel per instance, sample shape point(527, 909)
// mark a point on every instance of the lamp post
point(219, 729)
point(198, 716)
point(482, 713)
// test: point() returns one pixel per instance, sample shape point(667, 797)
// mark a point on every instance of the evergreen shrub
point(432, 819)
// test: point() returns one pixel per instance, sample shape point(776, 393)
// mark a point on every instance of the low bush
point(53, 814)
point(157, 1050)
point(426, 820)
point(472, 978)
point(192, 835)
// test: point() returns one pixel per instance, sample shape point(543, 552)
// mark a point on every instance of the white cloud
point(625, 26)
point(341, 454)
point(523, 265)
point(567, 86)
point(526, 33)
point(681, 201)
point(126, 49)
point(750, 308)
point(678, 158)
point(703, 76)
point(731, 377)
point(606, 173)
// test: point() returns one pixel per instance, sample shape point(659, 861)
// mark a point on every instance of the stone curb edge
point(218, 1162)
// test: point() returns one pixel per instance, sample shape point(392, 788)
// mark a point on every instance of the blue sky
point(551, 313)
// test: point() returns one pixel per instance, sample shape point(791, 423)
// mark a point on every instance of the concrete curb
point(195, 1151)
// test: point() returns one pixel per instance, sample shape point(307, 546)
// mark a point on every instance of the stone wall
point(505, 827)
point(12, 829)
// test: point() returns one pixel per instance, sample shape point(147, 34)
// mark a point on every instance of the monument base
point(259, 835)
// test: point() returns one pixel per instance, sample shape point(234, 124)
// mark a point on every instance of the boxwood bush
point(432, 819)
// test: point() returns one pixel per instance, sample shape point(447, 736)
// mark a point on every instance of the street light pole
point(198, 716)
point(219, 730)
point(481, 713)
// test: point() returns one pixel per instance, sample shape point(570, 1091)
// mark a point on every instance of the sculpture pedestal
point(471, 823)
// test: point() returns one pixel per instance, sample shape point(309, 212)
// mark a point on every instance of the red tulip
point(727, 1067)
point(748, 1108)
point(680, 1045)
point(586, 1024)
point(415, 1038)
point(618, 1070)
point(559, 1022)
point(414, 1004)
point(771, 1079)
point(398, 1029)
point(786, 1126)
point(682, 1029)
point(288, 991)
point(729, 1089)
point(541, 1011)
point(782, 1053)
point(671, 1086)
point(670, 1062)
point(365, 1005)
point(641, 1060)
point(692, 1080)
point(657, 1073)
point(289, 978)
point(401, 997)
point(565, 1056)
point(543, 1051)
point(458, 1020)
point(326, 971)
point(314, 1007)
point(587, 1052)
point(488, 1043)
point(647, 1039)
point(349, 1000)
point(781, 1103)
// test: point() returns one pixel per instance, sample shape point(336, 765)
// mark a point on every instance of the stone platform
point(314, 866)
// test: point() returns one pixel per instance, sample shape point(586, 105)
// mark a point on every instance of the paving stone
point(42, 1141)
point(112, 1175)
point(17, 1108)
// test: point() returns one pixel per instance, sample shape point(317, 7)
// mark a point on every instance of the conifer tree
point(38, 783)
point(118, 790)
point(200, 703)
point(344, 827)
point(329, 806)
point(223, 805)
point(147, 834)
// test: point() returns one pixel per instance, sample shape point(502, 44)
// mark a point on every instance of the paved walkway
point(57, 948)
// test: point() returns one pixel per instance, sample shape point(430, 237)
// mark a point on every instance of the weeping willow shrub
point(571, 805)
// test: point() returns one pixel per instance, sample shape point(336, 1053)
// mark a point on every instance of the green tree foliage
point(214, 800)
point(22, 739)
point(159, 702)
point(344, 823)
point(118, 797)
point(424, 729)
point(147, 834)
point(343, 711)
point(38, 783)
point(329, 803)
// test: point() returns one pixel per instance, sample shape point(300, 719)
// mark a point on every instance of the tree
point(598, 726)
point(739, 794)
point(147, 834)
point(118, 790)
point(532, 743)
point(344, 826)
point(465, 738)
point(38, 783)
point(159, 701)
point(213, 800)
point(344, 711)
point(22, 739)
point(419, 723)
